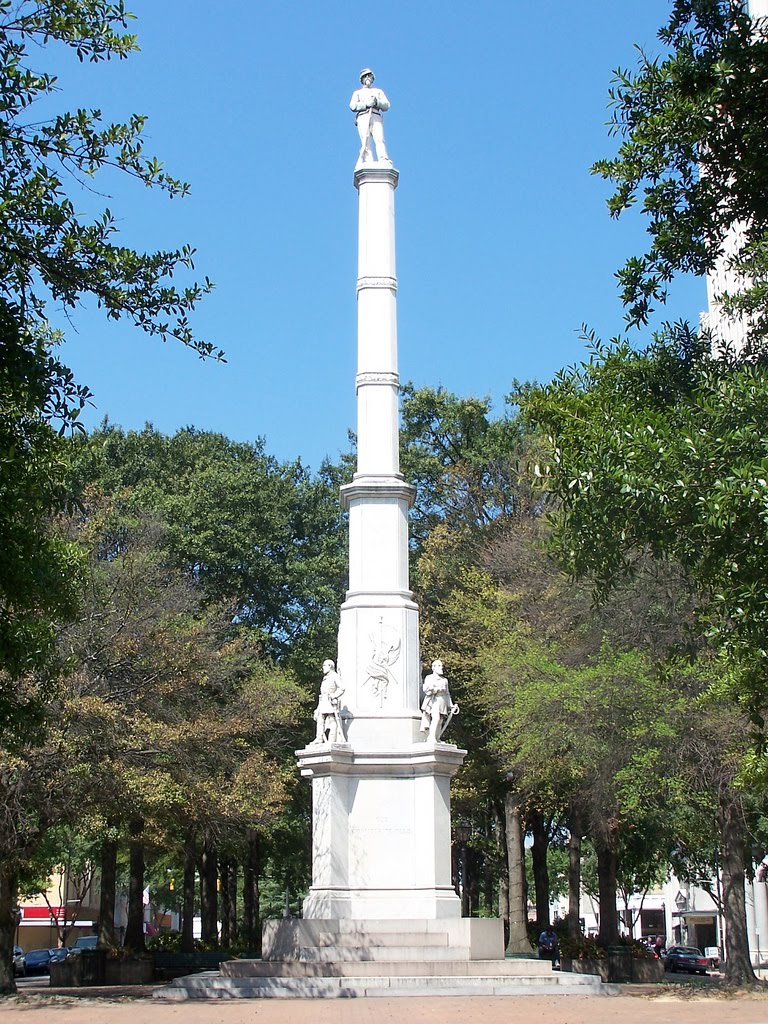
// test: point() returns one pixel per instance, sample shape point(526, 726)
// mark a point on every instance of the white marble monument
point(380, 797)
point(381, 917)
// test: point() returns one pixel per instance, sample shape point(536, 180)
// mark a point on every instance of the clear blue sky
point(504, 245)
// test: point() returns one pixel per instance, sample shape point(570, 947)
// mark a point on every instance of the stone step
point(517, 967)
point(295, 939)
point(359, 939)
point(214, 986)
point(356, 954)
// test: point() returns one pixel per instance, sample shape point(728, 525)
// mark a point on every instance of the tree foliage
point(261, 535)
point(52, 254)
point(662, 451)
point(462, 460)
point(693, 153)
point(39, 571)
point(47, 250)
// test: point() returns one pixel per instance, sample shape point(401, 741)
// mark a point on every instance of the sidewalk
point(111, 1007)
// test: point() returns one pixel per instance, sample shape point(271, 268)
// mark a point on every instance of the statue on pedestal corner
point(330, 727)
point(369, 104)
point(437, 708)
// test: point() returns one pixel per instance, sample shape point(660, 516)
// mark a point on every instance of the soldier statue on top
point(369, 104)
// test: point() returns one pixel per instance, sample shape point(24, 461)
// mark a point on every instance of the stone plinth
point(385, 941)
point(381, 832)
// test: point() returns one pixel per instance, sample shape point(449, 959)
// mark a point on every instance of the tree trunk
point(134, 932)
point(228, 875)
point(249, 916)
point(254, 859)
point(473, 877)
point(108, 889)
point(501, 840)
point(540, 868)
point(518, 911)
point(230, 908)
point(225, 938)
point(574, 875)
point(738, 966)
point(488, 868)
point(7, 927)
point(608, 935)
point(209, 909)
point(188, 895)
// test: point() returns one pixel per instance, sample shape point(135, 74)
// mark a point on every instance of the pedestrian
point(548, 947)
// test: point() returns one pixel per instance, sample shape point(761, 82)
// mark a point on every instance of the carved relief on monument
point(385, 646)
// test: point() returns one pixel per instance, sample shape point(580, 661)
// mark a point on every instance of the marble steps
point(398, 954)
point(421, 967)
point(356, 939)
point(215, 986)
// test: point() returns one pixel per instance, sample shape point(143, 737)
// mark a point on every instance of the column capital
point(377, 487)
point(376, 173)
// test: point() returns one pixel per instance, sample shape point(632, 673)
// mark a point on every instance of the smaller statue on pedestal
point(437, 708)
point(369, 104)
point(330, 727)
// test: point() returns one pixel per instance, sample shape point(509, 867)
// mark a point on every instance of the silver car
point(19, 962)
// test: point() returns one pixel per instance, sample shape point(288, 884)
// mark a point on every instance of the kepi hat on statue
point(367, 71)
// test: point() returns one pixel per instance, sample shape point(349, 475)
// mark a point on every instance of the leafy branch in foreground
point(47, 251)
point(693, 154)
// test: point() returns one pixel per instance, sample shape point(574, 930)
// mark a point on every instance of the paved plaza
point(39, 1008)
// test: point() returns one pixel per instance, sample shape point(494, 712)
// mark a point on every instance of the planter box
point(618, 969)
point(647, 971)
point(178, 965)
point(599, 967)
point(66, 973)
point(127, 972)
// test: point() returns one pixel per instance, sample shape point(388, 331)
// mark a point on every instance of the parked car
point(19, 962)
point(685, 958)
point(37, 961)
point(60, 953)
point(85, 942)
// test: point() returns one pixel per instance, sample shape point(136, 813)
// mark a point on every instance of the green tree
point(263, 536)
point(47, 251)
point(462, 461)
point(694, 141)
point(494, 601)
point(39, 571)
point(51, 253)
point(716, 791)
point(662, 451)
point(178, 716)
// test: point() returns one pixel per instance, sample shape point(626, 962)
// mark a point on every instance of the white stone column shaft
point(377, 378)
point(379, 619)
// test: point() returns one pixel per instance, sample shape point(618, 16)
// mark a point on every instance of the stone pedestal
point(381, 832)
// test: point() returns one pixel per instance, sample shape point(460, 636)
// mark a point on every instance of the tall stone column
point(379, 633)
point(381, 830)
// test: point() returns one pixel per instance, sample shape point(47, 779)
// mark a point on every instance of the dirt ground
point(624, 1009)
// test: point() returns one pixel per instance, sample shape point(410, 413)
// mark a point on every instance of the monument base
point(387, 940)
point(381, 832)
